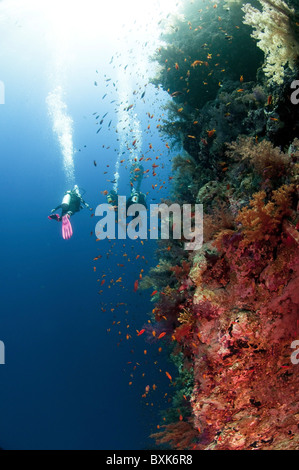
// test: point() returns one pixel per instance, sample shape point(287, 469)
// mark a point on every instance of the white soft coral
point(274, 32)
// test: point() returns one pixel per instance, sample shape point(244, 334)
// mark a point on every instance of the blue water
point(65, 384)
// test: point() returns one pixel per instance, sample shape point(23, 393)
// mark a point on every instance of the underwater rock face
point(232, 308)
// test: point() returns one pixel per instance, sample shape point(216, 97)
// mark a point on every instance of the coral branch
point(275, 35)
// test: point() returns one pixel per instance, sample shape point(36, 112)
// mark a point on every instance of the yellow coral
point(275, 35)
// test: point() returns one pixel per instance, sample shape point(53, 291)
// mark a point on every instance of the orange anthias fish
point(196, 62)
point(168, 375)
point(161, 335)
point(136, 285)
point(211, 132)
point(141, 332)
point(153, 293)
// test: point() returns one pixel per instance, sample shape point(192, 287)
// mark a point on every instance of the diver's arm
point(85, 203)
point(56, 208)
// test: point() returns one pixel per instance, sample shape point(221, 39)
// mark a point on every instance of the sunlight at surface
point(104, 16)
point(72, 30)
point(73, 20)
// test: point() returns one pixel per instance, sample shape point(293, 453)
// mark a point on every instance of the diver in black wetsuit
point(136, 196)
point(72, 202)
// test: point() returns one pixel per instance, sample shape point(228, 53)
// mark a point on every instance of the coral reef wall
point(231, 309)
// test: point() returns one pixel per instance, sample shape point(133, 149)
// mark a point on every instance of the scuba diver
point(136, 197)
point(72, 202)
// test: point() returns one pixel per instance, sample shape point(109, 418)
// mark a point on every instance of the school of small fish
point(154, 159)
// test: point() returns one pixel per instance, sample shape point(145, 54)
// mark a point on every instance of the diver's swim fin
point(55, 217)
point(67, 230)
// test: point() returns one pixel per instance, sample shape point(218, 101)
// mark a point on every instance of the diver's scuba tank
point(68, 196)
point(66, 200)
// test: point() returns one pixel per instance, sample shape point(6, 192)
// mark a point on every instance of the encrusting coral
point(242, 367)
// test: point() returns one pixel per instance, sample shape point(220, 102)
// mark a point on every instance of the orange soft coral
point(261, 220)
